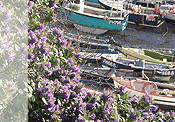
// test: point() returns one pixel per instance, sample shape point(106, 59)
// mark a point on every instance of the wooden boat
point(138, 15)
point(87, 16)
point(162, 93)
point(138, 67)
point(140, 87)
point(94, 48)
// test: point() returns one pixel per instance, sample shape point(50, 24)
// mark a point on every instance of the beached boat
point(94, 48)
point(150, 68)
point(170, 14)
point(138, 15)
point(162, 93)
point(139, 87)
point(87, 16)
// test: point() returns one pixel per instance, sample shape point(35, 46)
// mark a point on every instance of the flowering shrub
point(54, 90)
point(13, 64)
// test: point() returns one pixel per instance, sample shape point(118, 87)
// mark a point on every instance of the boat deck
point(98, 11)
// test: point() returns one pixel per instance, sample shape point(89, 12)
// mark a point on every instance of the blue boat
point(93, 49)
point(87, 16)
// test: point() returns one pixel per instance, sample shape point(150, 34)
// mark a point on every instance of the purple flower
point(78, 56)
point(34, 40)
point(59, 35)
point(37, 75)
point(6, 16)
point(44, 81)
point(31, 33)
point(43, 51)
point(30, 4)
point(62, 42)
point(42, 28)
point(93, 101)
point(51, 104)
point(133, 115)
point(67, 80)
point(74, 95)
point(64, 73)
point(90, 106)
point(43, 39)
point(39, 90)
point(47, 89)
point(37, 32)
point(70, 60)
point(47, 72)
point(135, 99)
point(51, 4)
point(80, 117)
point(147, 96)
point(63, 4)
point(73, 75)
point(35, 57)
point(65, 95)
point(54, 18)
point(55, 71)
point(72, 87)
point(60, 78)
point(88, 94)
point(75, 68)
point(55, 30)
point(48, 65)
point(153, 107)
point(30, 57)
point(123, 87)
point(93, 116)
point(145, 114)
point(105, 96)
point(98, 120)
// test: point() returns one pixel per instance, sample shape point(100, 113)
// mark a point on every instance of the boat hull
point(159, 99)
point(162, 78)
point(119, 64)
point(96, 31)
point(93, 21)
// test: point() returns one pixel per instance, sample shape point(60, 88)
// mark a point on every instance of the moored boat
point(88, 16)
point(169, 11)
point(139, 66)
point(94, 48)
point(138, 14)
point(164, 96)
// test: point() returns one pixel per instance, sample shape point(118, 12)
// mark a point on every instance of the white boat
point(137, 14)
point(166, 8)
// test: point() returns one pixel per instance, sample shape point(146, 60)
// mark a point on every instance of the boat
point(96, 79)
point(88, 16)
point(162, 93)
point(138, 14)
point(161, 78)
point(165, 96)
point(94, 48)
point(167, 9)
point(140, 67)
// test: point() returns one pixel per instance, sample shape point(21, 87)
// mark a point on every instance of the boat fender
point(105, 17)
point(149, 83)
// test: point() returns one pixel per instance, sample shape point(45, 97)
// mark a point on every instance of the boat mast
point(112, 9)
point(81, 6)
